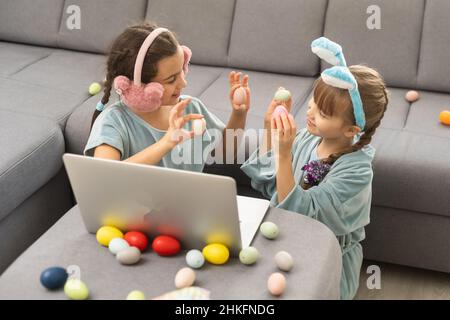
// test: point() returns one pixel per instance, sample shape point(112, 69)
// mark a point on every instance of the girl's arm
point(284, 131)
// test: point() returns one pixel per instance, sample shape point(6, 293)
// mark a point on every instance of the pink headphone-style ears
point(145, 97)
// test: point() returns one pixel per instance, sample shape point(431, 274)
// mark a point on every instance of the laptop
point(196, 208)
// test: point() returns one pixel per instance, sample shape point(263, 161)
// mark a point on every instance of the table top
point(316, 273)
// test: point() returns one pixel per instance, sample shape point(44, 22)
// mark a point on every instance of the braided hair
point(374, 96)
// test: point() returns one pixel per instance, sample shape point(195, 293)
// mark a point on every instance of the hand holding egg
point(239, 92)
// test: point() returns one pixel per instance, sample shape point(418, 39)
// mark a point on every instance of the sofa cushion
point(37, 100)
point(202, 25)
point(33, 22)
point(435, 47)
point(264, 31)
point(101, 22)
point(65, 70)
point(32, 150)
point(15, 57)
point(393, 50)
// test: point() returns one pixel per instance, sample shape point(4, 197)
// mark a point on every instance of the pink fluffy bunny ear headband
point(136, 95)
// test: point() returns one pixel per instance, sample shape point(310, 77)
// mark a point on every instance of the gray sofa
point(45, 108)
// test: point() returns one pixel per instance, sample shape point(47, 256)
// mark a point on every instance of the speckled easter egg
point(195, 259)
point(248, 255)
point(106, 234)
point(240, 96)
point(269, 230)
point(136, 295)
point(216, 253)
point(130, 255)
point(282, 95)
point(53, 278)
point(117, 244)
point(184, 278)
point(276, 284)
point(75, 289)
point(284, 261)
point(412, 96)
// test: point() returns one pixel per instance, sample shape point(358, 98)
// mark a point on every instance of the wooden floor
point(399, 282)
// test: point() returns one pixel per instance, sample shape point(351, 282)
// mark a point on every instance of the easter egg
point(248, 255)
point(216, 253)
point(195, 259)
point(166, 245)
point(282, 95)
point(136, 295)
point(240, 96)
point(136, 239)
point(185, 277)
point(269, 230)
point(276, 284)
point(54, 278)
point(284, 261)
point(198, 126)
point(130, 255)
point(444, 117)
point(117, 244)
point(279, 110)
point(412, 96)
point(75, 289)
point(106, 234)
point(95, 88)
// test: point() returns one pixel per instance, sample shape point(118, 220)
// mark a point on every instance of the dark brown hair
point(123, 53)
point(374, 97)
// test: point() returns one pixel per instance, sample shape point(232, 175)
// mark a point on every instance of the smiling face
point(171, 76)
point(331, 116)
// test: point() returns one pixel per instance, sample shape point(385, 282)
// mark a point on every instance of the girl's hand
point(235, 83)
point(176, 134)
point(273, 104)
point(283, 130)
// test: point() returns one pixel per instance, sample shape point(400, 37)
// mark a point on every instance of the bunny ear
point(339, 77)
point(187, 58)
point(329, 51)
point(121, 84)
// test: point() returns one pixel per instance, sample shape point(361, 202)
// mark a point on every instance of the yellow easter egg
point(106, 234)
point(216, 253)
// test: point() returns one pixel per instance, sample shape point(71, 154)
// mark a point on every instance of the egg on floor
point(249, 255)
point(117, 244)
point(106, 234)
point(412, 96)
point(444, 117)
point(184, 278)
point(136, 239)
point(136, 295)
point(166, 245)
point(284, 261)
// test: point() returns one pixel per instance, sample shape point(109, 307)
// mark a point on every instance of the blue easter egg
point(54, 277)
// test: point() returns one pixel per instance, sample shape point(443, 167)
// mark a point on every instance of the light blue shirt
point(119, 127)
point(341, 201)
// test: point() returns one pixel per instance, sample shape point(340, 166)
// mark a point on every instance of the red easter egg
point(136, 239)
point(166, 245)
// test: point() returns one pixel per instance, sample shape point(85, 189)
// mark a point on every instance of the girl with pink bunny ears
point(152, 120)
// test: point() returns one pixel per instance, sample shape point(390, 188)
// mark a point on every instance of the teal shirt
point(341, 201)
point(119, 127)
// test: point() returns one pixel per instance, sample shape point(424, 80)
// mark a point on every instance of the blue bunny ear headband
point(339, 76)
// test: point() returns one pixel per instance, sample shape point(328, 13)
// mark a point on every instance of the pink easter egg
point(240, 96)
point(279, 110)
point(412, 96)
point(276, 284)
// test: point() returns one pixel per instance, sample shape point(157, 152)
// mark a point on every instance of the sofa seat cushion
point(15, 57)
point(32, 148)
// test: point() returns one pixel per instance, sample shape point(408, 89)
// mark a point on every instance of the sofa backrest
point(411, 48)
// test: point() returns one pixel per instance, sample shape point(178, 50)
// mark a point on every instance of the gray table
point(316, 273)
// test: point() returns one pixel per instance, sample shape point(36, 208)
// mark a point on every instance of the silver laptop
point(196, 208)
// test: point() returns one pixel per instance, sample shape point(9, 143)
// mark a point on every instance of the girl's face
point(171, 76)
point(328, 127)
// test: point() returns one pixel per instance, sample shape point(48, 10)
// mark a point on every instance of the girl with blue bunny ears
point(324, 171)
